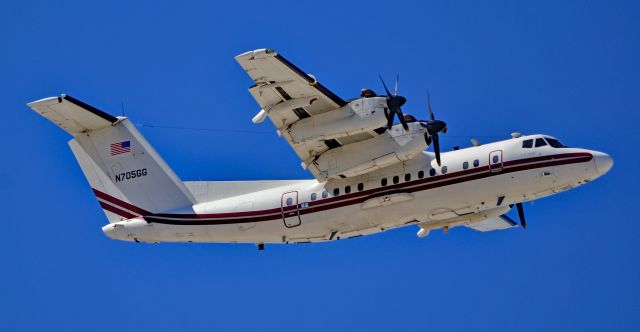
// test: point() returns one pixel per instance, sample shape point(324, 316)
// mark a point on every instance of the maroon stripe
point(429, 183)
point(120, 203)
point(117, 211)
point(356, 198)
point(426, 183)
point(224, 214)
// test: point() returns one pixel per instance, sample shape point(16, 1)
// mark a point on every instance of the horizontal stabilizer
point(71, 114)
point(492, 224)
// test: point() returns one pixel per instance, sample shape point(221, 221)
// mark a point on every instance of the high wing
point(286, 95)
point(276, 80)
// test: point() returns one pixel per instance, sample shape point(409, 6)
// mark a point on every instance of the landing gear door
point(290, 209)
point(495, 161)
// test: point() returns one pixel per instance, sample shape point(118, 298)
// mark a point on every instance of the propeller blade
point(523, 222)
point(427, 138)
point(402, 120)
point(431, 116)
point(395, 91)
point(390, 118)
point(436, 147)
point(385, 86)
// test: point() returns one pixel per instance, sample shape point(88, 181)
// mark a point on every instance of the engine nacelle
point(358, 116)
point(133, 230)
point(362, 157)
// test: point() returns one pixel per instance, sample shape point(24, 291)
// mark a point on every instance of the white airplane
point(370, 175)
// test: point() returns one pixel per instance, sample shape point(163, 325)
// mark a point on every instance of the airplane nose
point(603, 162)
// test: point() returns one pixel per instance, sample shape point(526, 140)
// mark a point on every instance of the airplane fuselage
point(471, 184)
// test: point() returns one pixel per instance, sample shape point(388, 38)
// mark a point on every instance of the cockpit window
point(555, 143)
point(540, 142)
point(527, 144)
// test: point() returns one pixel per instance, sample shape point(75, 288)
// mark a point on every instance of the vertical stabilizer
point(127, 175)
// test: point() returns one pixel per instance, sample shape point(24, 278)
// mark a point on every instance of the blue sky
point(565, 68)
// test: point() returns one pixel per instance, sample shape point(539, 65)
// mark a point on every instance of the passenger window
point(465, 165)
point(325, 194)
point(540, 142)
point(432, 172)
point(314, 196)
point(476, 163)
point(396, 179)
point(420, 174)
point(347, 189)
point(383, 182)
point(495, 159)
point(336, 192)
point(407, 177)
point(444, 170)
point(527, 144)
point(360, 187)
point(289, 201)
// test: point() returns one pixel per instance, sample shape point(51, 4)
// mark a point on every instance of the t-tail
point(126, 174)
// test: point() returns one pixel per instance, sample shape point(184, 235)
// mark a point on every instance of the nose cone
point(603, 162)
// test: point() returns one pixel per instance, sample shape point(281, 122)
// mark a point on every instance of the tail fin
point(127, 175)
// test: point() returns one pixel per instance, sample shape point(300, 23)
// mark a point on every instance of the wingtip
point(257, 54)
point(47, 100)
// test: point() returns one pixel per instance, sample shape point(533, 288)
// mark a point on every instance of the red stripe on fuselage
point(355, 198)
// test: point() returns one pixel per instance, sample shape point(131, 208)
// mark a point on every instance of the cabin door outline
point(290, 209)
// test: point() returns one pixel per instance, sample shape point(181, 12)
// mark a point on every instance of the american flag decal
point(120, 148)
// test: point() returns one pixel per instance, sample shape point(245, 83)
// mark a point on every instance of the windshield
point(555, 143)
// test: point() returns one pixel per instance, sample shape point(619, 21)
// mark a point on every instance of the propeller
point(520, 208)
point(433, 128)
point(523, 222)
point(394, 103)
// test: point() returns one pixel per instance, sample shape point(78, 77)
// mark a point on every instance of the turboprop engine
point(358, 116)
point(395, 145)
